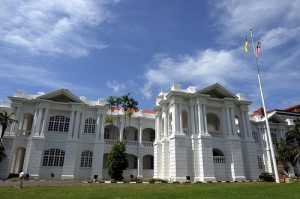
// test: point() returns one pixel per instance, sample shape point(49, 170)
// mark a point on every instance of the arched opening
point(218, 156)
point(111, 132)
point(148, 162)
point(130, 133)
point(26, 124)
point(132, 161)
point(237, 125)
point(185, 122)
point(19, 160)
point(170, 129)
point(148, 135)
point(213, 125)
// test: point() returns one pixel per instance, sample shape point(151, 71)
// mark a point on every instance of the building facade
point(65, 136)
point(203, 135)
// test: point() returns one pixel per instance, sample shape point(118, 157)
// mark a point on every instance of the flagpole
point(266, 116)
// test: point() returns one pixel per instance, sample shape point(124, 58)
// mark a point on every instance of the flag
point(246, 45)
point(257, 49)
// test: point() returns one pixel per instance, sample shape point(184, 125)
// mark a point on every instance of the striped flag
point(246, 45)
point(257, 49)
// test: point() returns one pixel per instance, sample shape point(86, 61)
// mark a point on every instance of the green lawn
point(219, 190)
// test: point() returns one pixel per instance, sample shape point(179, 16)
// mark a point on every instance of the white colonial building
point(66, 136)
point(203, 135)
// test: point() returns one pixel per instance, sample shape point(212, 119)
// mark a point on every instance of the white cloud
point(146, 90)
point(115, 86)
point(34, 75)
point(205, 67)
point(53, 27)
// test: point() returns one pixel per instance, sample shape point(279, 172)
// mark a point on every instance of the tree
point(284, 153)
point(117, 161)
point(132, 107)
point(293, 140)
point(5, 120)
point(2, 152)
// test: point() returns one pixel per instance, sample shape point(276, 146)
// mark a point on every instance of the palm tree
point(284, 153)
point(132, 107)
point(293, 140)
point(5, 120)
point(111, 103)
point(124, 103)
point(2, 152)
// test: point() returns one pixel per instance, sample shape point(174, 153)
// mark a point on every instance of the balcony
point(25, 133)
point(216, 133)
point(147, 144)
point(219, 159)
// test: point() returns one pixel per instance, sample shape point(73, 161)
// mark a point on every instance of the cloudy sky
point(98, 48)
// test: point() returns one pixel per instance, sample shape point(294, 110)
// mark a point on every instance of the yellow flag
point(246, 45)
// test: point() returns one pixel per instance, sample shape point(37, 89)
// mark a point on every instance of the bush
point(117, 161)
point(266, 177)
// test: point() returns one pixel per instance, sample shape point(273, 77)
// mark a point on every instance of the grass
point(207, 191)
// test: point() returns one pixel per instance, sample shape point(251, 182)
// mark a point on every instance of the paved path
point(41, 183)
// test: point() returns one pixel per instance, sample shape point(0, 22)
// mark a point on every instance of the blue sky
point(110, 47)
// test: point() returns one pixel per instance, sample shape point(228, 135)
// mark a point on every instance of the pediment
point(275, 119)
point(217, 91)
point(61, 95)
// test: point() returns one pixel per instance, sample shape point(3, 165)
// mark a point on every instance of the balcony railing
point(147, 144)
point(216, 133)
point(110, 141)
point(131, 143)
point(186, 131)
point(23, 133)
point(219, 159)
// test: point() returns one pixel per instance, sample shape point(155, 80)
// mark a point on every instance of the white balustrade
point(23, 133)
point(219, 159)
point(186, 131)
point(216, 133)
point(110, 141)
point(147, 144)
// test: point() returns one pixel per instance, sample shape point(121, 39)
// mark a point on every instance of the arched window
point(59, 123)
point(218, 156)
point(89, 126)
point(54, 158)
point(86, 158)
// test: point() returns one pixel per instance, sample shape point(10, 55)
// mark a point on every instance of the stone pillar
point(34, 123)
point(165, 159)
point(38, 122)
point(71, 125)
point(14, 125)
point(180, 118)
point(178, 158)
point(45, 122)
point(98, 124)
point(102, 127)
point(33, 157)
point(165, 124)
point(192, 120)
point(71, 156)
point(122, 125)
point(82, 124)
point(76, 125)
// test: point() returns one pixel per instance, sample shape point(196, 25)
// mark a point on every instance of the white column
point(82, 124)
point(192, 121)
point(248, 123)
point(45, 120)
point(157, 128)
point(205, 119)
point(232, 118)
point(245, 134)
point(180, 118)
point(102, 127)
point(98, 124)
point(17, 117)
point(165, 124)
point(34, 122)
point(121, 130)
point(71, 124)
point(38, 123)
point(76, 125)
point(200, 120)
point(140, 131)
point(230, 131)
point(176, 119)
